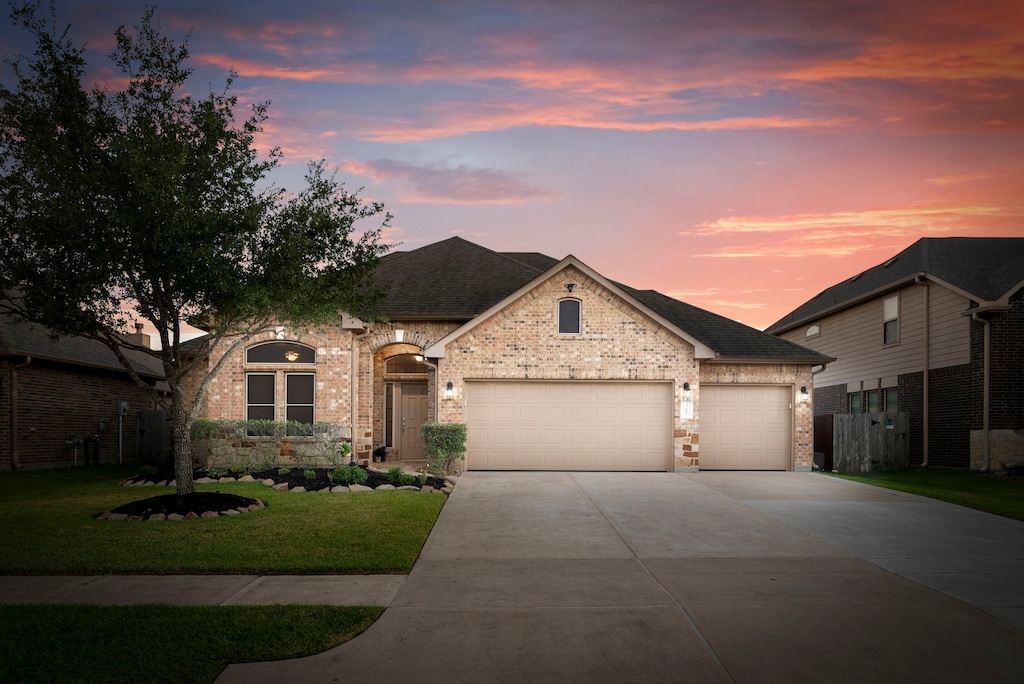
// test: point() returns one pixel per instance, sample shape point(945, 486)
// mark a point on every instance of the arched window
point(405, 363)
point(569, 316)
point(813, 331)
point(280, 352)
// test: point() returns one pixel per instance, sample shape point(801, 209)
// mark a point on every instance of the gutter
point(15, 457)
point(926, 362)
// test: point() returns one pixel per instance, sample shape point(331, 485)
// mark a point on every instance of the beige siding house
point(551, 365)
point(935, 332)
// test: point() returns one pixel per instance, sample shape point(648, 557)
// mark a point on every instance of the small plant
point(349, 475)
point(309, 474)
point(406, 479)
point(216, 472)
point(394, 473)
point(422, 477)
point(236, 468)
point(148, 470)
point(283, 471)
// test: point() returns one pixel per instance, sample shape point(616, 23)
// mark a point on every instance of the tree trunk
point(182, 429)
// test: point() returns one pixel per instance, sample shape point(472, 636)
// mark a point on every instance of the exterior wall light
point(449, 391)
point(686, 391)
point(804, 395)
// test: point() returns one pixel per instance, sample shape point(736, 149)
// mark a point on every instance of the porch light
point(449, 391)
point(291, 355)
point(686, 391)
point(418, 357)
point(804, 396)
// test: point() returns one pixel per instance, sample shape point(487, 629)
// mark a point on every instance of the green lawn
point(47, 527)
point(983, 491)
point(132, 644)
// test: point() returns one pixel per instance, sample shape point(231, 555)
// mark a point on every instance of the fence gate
point(866, 442)
point(154, 438)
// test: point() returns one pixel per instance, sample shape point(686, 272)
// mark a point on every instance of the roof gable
point(986, 270)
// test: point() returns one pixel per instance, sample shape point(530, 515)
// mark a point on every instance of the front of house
point(549, 364)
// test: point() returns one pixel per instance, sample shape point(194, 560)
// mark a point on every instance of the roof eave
point(800, 360)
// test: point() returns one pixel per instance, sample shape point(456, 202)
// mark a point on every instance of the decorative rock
point(175, 516)
point(408, 488)
point(148, 483)
point(300, 488)
point(258, 505)
point(325, 490)
point(386, 487)
point(242, 509)
point(227, 479)
point(337, 489)
point(205, 480)
point(427, 489)
point(283, 487)
point(447, 489)
point(246, 478)
point(117, 516)
point(209, 514)
point(161, 483)
point(137, 484)
point(253, 508)
point(230, 511)
point(191, 516)
point(158, 516)
point(452, 478)
point(103, 516)
point(359, 488)
point(135, 517)
point(172, 483)
point(268, 482)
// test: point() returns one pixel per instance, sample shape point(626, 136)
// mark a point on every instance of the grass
point(163, 643)
point(982, 491)
point(47, 527)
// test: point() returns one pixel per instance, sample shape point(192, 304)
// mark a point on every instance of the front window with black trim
point(569, 316)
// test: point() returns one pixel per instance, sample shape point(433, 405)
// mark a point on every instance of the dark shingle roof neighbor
point(18, 338)
point(984, 268)
point(456, 280)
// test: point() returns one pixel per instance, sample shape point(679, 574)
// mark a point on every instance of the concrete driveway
point(709, 577)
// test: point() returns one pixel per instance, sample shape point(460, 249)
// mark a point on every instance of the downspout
point(355, 389)
point(15, 457)
point(985, 391)
point(923, 282)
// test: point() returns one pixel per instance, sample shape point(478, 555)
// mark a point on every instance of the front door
point(413, 407)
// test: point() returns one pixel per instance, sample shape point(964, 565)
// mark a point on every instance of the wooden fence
point(863, 442)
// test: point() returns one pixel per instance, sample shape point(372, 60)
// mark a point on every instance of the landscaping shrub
point(349, 475)
point(444, 443)
point(395, 473)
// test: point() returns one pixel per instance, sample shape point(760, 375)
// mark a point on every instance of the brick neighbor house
point(62, 400)
point(936, 332)
point(550, 364)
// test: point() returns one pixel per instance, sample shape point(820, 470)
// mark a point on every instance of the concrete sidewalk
point(710, 577)
point(204, 590)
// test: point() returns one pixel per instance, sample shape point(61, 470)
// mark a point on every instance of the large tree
point(148, 203)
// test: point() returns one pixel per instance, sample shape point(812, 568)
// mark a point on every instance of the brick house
point(60, 399)
point(936, 332)
point(550, 364)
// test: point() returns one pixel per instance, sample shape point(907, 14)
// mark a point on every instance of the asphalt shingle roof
point(985, 268)
point(26, 339)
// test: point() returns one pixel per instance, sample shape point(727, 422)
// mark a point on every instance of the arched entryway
point(402, 384)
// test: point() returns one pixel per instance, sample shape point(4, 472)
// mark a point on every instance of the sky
point(739, 156)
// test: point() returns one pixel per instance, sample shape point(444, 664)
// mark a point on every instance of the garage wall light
point(686, 391)
point(804, 395)
point(449, 390)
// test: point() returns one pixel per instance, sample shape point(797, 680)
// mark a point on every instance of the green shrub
point(349, 475)
point(395, 473)
point(443, 443)
point(235, 468)
point(406, 479)
point(309, 474)
point(283, 471)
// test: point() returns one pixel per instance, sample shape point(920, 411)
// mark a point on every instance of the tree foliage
point(149, 203)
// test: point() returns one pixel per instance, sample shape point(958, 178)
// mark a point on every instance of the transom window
point(405, 363)
point(569, 316)
point(280, 352)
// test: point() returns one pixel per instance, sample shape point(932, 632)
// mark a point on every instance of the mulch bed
point(202, 502)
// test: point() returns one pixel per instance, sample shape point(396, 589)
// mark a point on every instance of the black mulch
point(197, 502)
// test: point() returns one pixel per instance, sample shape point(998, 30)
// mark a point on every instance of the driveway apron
point(710, 577)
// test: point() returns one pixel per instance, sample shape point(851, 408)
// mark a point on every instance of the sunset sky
point(740, 156)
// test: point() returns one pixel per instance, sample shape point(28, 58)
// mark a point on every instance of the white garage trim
point(568, 425)
point(745, 427)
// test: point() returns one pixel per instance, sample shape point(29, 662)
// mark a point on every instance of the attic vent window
point(813, 331)
point(569, 316)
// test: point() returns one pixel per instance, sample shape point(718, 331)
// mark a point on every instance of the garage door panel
point(745, 427)
point(578, 425)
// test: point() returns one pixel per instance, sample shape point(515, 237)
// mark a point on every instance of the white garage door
point(568, 426)
point(744, 427)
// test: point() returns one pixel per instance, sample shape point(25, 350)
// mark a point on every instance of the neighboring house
point(551, 365)
point(60, 398)
point(936, 332)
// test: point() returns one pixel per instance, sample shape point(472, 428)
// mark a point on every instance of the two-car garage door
point(568, 425)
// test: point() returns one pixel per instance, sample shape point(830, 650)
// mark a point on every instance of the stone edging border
point(259, 505)
point(449, 485)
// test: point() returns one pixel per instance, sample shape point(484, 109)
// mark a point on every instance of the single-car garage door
point(744, 427)
point(568, 425)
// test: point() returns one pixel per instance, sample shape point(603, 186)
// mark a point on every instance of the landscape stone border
point(449, 485)
point(259, 505)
